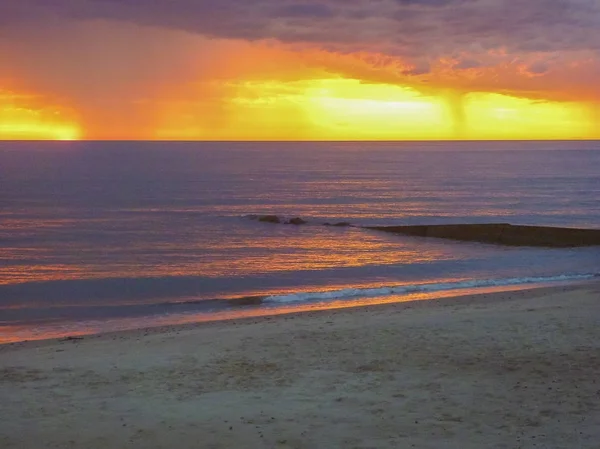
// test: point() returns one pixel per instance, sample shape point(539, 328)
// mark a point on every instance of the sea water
point(98, 236)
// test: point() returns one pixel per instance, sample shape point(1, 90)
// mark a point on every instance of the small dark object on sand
point(269, 219)
point(71, 339)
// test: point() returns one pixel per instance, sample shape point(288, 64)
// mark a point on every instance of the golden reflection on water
point(40, 273)
point(291, 249)
point(321, 251)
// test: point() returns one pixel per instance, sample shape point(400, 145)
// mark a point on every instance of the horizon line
point(301, 140)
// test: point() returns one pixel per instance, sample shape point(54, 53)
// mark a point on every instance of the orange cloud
point(128, 81)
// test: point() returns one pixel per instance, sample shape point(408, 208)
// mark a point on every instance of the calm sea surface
point(109, 235)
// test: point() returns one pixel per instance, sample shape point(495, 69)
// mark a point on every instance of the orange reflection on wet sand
point(19, 333)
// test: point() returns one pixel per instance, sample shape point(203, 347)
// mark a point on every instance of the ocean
point(103, 236)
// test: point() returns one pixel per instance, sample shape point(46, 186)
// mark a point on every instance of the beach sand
point(502, 370)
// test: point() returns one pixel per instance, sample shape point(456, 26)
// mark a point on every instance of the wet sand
point(502, 370)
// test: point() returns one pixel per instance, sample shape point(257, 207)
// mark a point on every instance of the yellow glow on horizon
point(20, 121)
point(327, 109)
point(347, 109)
point(505, 117)
point(38, 131)
point(319, 109)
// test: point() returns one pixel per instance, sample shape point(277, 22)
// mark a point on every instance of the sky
point(299, 70)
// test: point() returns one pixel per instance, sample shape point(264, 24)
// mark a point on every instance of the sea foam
point(353, 293)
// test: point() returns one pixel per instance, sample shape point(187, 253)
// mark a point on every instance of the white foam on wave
point(350, 293)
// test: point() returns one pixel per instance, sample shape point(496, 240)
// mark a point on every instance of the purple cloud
point(539, 68)
point(415, 29)
point(466, 64)
point(305, 10)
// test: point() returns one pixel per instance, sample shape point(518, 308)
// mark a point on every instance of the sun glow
point(347, 109)
point(21, 121)
point(316, 109)
point(505, 117)
point(37, 131)
point(350, 109)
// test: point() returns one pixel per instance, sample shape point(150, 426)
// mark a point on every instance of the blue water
point(107, 231)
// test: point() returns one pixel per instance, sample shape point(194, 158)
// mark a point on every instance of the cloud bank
point(401, 27)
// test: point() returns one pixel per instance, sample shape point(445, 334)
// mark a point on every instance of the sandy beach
point(502, 370)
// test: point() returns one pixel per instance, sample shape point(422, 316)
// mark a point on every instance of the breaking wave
point(349, 293)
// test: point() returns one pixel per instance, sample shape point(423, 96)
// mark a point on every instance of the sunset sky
point(298, 70)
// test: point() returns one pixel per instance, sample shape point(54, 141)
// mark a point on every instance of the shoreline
point(437, 299)
point(506, 369)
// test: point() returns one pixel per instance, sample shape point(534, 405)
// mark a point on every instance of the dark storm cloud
point(311, 10)
point(429, 3)
point(467, 64)
point(538, 68)
point(426, 28)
